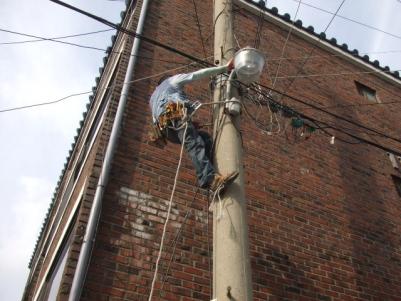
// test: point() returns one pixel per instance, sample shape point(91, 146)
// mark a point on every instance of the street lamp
point(249, 64)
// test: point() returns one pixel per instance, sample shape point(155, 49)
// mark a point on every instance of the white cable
point(285, 44)
point(88, 92)
point(168, 215)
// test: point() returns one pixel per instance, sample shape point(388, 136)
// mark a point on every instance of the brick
point(324, 220)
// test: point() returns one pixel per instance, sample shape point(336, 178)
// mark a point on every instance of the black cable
point(39, 38)
point(300, 69)
point(330, 113)
point(352, 20)
point(331, 135)
point(50, 39)
point(356, 55)
point(45, 103)
point(134, 34)
point(363, 140)
point(131, 33)
point(215, 21)
point(170, 48)
point(256, 43)
point(356, 105)
point(199, 29)
point(175, 240)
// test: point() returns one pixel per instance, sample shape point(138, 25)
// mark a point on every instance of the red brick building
point(324, 219)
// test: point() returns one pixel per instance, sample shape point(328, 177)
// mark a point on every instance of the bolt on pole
point(231, 264)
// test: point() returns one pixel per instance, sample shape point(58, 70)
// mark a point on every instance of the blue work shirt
point(171, 89)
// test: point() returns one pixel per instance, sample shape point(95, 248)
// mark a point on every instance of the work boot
point(221, 182)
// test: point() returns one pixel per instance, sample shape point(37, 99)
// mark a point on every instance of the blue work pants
point(198, 145)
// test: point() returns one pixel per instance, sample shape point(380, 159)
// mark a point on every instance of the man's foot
point(220, 182)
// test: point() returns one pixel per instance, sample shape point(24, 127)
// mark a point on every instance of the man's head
point(162, 79)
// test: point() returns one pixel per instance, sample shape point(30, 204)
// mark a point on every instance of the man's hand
point(230, 65)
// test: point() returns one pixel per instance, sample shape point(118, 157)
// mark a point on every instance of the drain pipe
point(89, 239)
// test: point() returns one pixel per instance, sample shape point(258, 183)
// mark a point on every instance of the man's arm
point(200, 74)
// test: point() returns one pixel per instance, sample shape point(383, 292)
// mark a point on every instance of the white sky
point(36, 141)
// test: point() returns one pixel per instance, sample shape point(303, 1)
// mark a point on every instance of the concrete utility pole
point(231, 264)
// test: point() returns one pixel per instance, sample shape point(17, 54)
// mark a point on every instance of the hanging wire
point(285, 44)
point(199, 29)
point(300, 69)
point(173, 243)
point(256, 43)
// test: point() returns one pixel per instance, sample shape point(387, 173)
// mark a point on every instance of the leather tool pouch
point(156, 135)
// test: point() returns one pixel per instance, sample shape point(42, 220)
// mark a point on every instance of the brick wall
point(324, 220)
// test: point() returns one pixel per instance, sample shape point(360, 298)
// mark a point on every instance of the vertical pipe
point(89, 238)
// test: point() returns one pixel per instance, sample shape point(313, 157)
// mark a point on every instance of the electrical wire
point(43, 39)
point(352, 20)
point(171, 49)
point(173, 244)
point(332, 55)
point(88, 92)
point(285, 44)
point(50, 39)
point(124, 30)
point(199, 28)
point(215, 20)
point(259, 27)
point(332, 114)
point(356, 105)
point(300, 69)
point(335, 74)
point(40, 39)
point(168, 215)
point(134, 34)
point(363, 140)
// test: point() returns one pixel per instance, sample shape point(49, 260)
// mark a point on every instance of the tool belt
point(173, 112)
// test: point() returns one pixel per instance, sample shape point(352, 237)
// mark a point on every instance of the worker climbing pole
point(172, 112)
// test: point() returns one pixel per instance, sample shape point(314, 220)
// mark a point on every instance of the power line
point(166, 47)
point(39, 38)
point(133, 34)
point(356, 105)
point(86, 92)
point(333, 55)
point(352, 20)
point(199, 28)
point(335, 74)
point(50, 39)
point(362, 140)
point(262, 5)
point(206, 63)
point(285, 44)
point(315, 45)
point(331, 114)
point(44, 103)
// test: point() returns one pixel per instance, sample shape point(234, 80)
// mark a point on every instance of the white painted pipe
point(91, 229)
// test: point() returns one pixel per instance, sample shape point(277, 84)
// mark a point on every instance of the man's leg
point(196, 149)
point(208, 144)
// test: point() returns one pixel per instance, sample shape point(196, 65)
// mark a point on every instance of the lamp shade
point(249, 64)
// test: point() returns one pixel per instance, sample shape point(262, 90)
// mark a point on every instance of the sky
point(36, 141)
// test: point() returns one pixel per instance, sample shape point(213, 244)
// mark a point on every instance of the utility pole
point(231, 264)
